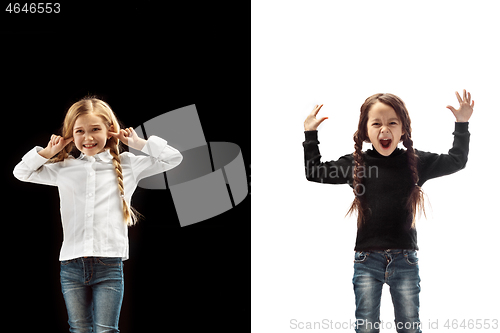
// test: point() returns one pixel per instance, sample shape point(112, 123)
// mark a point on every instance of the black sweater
point(386, 186)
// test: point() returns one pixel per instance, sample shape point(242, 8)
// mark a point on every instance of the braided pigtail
point(93, 105)
point(129, 216)
point(357, 183)
point(416, 199)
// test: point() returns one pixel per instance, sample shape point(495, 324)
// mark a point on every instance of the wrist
point(45, 153)
point(138, 144)
point(462, 119)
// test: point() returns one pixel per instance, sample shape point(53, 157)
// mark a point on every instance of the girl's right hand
point(55, 145)
point(311, 123)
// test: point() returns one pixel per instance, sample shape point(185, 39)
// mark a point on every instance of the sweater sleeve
point(331, 172)
point(433, 165)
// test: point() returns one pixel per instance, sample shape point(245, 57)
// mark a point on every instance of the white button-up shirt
point(91, 207)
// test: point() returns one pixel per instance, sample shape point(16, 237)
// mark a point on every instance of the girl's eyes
point(391, 123)
point(93, 130)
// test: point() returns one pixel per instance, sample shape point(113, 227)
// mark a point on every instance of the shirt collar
point(104, 157)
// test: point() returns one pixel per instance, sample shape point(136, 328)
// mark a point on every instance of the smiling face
point(384, 128)
point(90, 134)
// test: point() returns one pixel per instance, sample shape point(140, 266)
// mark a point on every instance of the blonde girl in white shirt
point(95, 185)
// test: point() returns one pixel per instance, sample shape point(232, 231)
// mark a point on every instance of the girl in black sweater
point(386, 182)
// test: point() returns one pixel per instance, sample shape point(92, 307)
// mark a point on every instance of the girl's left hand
point(464, 112)
point(129, 137)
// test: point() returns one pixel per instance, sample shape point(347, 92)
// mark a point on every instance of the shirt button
point(89, 215)
point(90, 194)
point(91, 174)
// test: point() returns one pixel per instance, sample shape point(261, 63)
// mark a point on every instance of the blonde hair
point(92, 105)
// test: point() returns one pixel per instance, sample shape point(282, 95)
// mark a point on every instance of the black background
point(144, 59)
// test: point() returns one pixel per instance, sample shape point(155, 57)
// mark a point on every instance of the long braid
point(357, 179)
point(93, 105)
point(416, 199)
point(127, 213)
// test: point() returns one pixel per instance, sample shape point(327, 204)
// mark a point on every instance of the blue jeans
point(93, 291)
point(397, 268)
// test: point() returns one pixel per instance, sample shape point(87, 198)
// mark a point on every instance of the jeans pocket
point(360, 257)
point(109, 261)
point(411, 257)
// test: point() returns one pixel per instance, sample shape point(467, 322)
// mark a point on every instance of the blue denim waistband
point(394, 251)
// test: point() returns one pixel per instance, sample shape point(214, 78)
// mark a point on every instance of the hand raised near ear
point(55, 145)
point(129, 137)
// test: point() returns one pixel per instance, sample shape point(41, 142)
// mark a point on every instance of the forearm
point(434, 165)
point(137, 144)
point(34, 168)
point(46, 153)
point(332, 172)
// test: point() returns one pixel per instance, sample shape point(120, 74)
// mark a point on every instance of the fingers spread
point(316, 109)
point(451, 108)
point(322, 119)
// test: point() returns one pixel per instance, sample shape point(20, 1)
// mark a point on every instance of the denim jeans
point(397, 268)
point(93, 291)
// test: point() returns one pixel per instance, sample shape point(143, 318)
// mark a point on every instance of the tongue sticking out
point(386, 143)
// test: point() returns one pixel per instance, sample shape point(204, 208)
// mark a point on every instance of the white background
point(338, 53)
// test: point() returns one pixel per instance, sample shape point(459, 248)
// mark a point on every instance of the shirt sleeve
point(160, 158)
point(433, 165)
point(33, 168)
point(331, 172)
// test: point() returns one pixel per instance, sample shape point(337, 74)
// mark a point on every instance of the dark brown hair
point(416, 199)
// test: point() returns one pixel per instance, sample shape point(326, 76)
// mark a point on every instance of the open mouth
point(90, 146)
point(385, 143)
